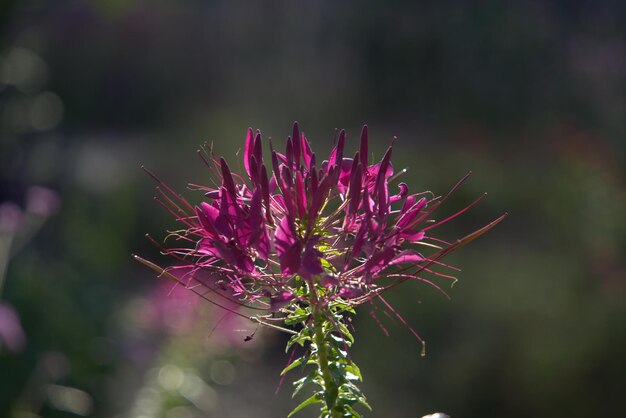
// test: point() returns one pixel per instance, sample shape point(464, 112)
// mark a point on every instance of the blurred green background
point(529, 95)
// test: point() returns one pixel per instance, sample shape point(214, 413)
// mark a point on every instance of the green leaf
point(363, 402)
point(351, 388)
point(297, 316)
point(300, 383)
point(344, 330)
point(293, 365)
point(353, 368)
point(310, 401)
point(353, 372)
point(300, 338)
point(352, 412)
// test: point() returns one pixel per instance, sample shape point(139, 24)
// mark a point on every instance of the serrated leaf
point(309, 401)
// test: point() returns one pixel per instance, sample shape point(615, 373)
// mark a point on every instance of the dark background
point(529, 95)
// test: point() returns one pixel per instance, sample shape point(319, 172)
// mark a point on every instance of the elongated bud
point(296, 145)
point(247, 150)
point(363, 148)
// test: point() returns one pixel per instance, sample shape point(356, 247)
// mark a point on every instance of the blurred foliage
point(528, 95)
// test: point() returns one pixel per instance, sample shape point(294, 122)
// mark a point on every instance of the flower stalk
point(329, 386)
point(304, 242)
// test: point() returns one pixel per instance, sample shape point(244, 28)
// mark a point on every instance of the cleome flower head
point(337, 223)
point(301, 241)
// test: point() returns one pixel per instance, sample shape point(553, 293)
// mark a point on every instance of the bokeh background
point(529, 95)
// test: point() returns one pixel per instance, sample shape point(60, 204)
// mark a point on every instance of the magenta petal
point(204, 221)
point(301, 201)
point(258, 238)
point(351, 292)
point(291, 259)
point(289, 153)
point(328, 280)
point(280, 299)
point(307, 153)
point(286, 186)
point(345, 174)
point(257, 152)
point(311, 261)
point(363, 148)
point(247, 151)
point(285, 236)
point(265, 192)
point(242, 261)
point(355, 189)
point(227, 178)
point(254, 170)
point(208, 246)
point(227, 252)
point(255, 219)
point(359, 240)
point(407, 257)
point(314, 181)
point(212, 220)
point(404, 190)
point(275, 166)
point(411, 235)
point(317, 200)
point(287, 247)
point(273, 184)
point(408, 203)
point(409, 215)
point(378, 261)
point(213, 194)
point(336, 156)
point(263, 245)
point(296, 144)
point(381, 184)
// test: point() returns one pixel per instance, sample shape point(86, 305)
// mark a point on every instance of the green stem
point(330, 386)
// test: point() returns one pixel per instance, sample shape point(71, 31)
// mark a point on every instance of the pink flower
point(338, 223)
point(310, 241)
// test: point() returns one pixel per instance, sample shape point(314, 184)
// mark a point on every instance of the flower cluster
point(311, 239)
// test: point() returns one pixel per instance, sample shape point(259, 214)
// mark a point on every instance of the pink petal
point(363, 147)
point(287, 247)
point(296, 144)
point(301, 202)
point(247, 151)
point(280, 299)
point(307, 153)
point(407, 257)
point(311, 261)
